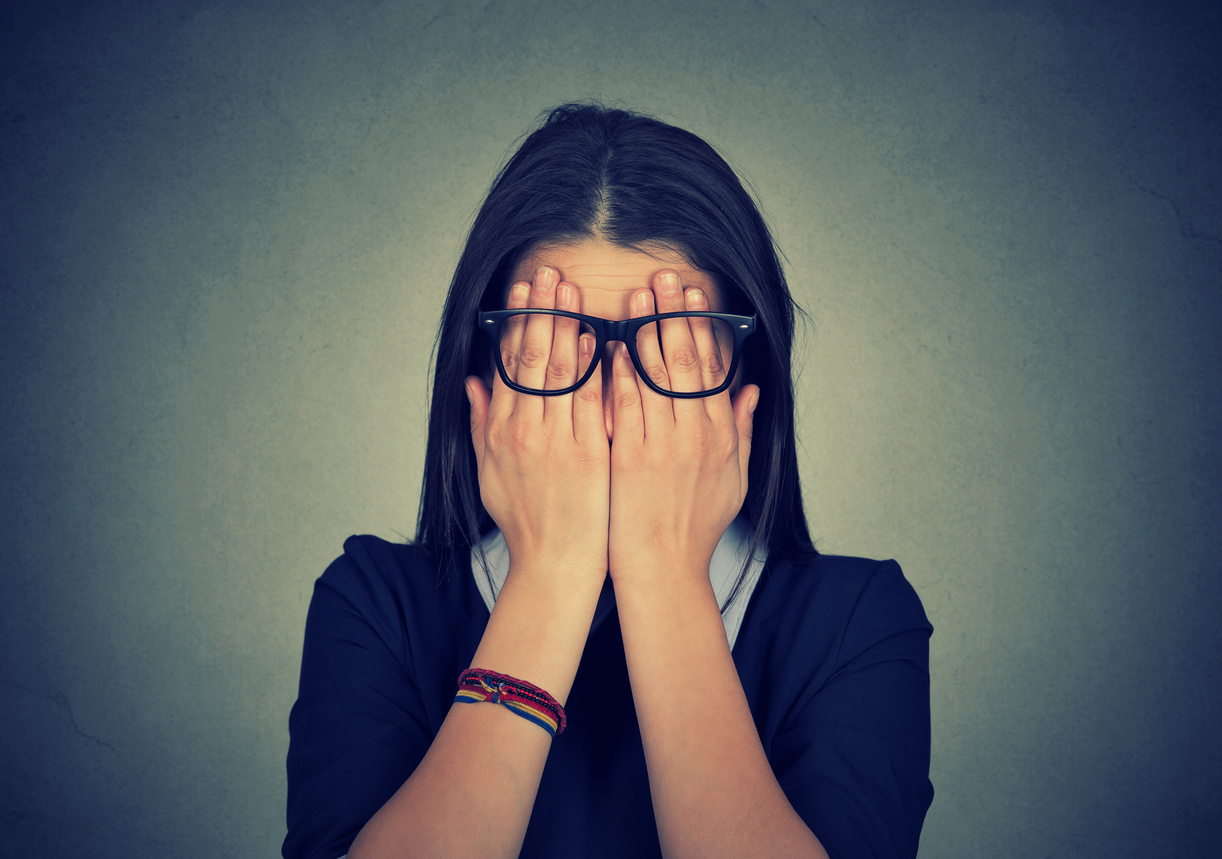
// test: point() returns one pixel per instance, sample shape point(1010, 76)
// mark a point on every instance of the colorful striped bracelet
point(530, 702)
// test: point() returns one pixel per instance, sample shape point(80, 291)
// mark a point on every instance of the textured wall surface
point(226, 232)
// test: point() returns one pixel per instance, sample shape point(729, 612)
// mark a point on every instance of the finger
point(648, 339)
point(656, 407)
point(513, 328)
point(589, 425)
point(713, 353)
point(626, 415)
point(562, 363)
point(678, 348)
point(709, 354)
point(745, 403)
point(504, 398)
point(479, 397)
point(537, 341)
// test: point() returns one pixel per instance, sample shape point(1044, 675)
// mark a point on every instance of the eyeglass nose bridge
point(614, 329)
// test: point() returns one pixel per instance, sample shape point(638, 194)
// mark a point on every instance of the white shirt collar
point(724, 568)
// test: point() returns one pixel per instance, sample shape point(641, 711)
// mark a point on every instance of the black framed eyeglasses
point(717, 337)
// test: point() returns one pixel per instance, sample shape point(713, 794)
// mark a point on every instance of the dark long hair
point(594, 171)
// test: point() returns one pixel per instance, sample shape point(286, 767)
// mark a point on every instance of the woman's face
point(606, 277)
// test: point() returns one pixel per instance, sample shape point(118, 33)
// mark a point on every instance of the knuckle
point(521, 436)
point(627, 400)
point(532, 356)
point(712, 363)
point(509, 359)
point(683, 357)
point(560, 370)
point(728, 448)
point(657, 373)
point(698, 440)
point(727, 444)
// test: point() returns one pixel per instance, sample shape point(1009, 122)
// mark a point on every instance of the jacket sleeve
point(854, 758)
point(359, 727)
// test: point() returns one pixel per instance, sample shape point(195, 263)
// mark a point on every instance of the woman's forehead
point(607, 274)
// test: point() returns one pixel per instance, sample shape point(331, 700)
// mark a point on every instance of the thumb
point(479, 397)
point(744, 418)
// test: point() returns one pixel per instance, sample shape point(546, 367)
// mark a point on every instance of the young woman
point(612, 552)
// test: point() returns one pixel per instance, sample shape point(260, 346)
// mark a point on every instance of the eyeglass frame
point(612, 330)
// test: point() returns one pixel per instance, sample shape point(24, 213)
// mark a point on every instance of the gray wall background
point(227, 232)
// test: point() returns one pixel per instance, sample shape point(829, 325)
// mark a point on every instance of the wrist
point(571, 574)
point(673, 621)
point(557, 555)
point(539, 625)
point(660, 575)
point(658, 552)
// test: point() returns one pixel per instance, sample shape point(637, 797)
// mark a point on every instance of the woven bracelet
point(476, 685)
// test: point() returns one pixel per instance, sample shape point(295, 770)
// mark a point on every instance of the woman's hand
point(678, 467)
point(678, 478)
point(544, 476)
point(544, 462)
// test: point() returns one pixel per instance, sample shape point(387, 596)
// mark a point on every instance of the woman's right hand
point(545, 477)
point(545, 462)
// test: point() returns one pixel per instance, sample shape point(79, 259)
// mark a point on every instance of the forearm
point(714, 793)
point(473, 793)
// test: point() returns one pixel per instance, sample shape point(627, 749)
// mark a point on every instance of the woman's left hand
point(678, 478)
point(678, 466)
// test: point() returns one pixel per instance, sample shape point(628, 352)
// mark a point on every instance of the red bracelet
point(476, 685)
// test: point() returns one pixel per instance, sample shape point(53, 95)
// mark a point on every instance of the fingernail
point(467, 389)
point(586, 345)
point(669, 282)
point(755, 401)
point(564, 296)
point(642, 302)
point(695, 298)
point(544, 274)
point(519, 293)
